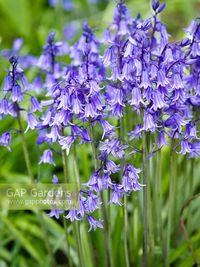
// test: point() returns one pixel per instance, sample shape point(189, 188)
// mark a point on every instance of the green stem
point(126, 233)
point(30, 173)
point(150, 192)
point(135, 225)
point(125, 214)
point(135, 229)
point(170, 209)
point(189, 224)
point(77, 227)
point(64, 161)
point(158, 202)
point(78, 240)
point(24, 146)
point(106, 236)
point(67, 242)
point(94, 148)
point(145, 201)
point(110, 232)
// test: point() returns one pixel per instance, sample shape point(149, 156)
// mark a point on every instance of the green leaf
point(181, 250)
point(86, 245)
point(17, 14)
point(5, 254)
point(27, 245)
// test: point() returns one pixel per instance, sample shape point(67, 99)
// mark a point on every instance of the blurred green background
point(21, 238)
point(33, 19)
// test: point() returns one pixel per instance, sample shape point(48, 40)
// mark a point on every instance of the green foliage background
point(21, 238)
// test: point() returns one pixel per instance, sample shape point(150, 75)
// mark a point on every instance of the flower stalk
point(64, 161)
point(125, 208)
point(170, 207)
point(145, 201)
point(103, 212)
point(30, 173)
point(77, 226)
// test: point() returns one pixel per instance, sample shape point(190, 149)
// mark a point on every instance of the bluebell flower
point(94, 224)
point(54, 134)
point(95, 182)
point(176, 122)
point(130, 178)
point(55, 179)
point(66, 142)
point(17, 44)
point(32, 122)
point(195, 149)
point(55, 213)
point(136, 97)
point(155, 4)
point(145, 83)
point(73, 215)
point(47, 157)
point(117, 195)
point(37, 85)
point(17, 94)
point(41, 139)
point(4, 106)
point(113, 147)
point(192, 27)
point(161, 78)
point(161, 7)
point(47, 61)
point(76, 105)
point(185, 147)
point(85, 137)
point(90, 110)
point(5, 140)
point(191, 131)
point(93, 202)
point(136, 133)
point(106, 180)
point(149, 122)
point(111, 166)
point(107, 128)
point(35, 105)
point(158, 100)
point(177, 81)
point(67, 5)
point(162, 140)
point(15, 84)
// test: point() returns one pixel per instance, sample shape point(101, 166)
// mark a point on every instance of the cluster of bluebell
point(142, 77)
